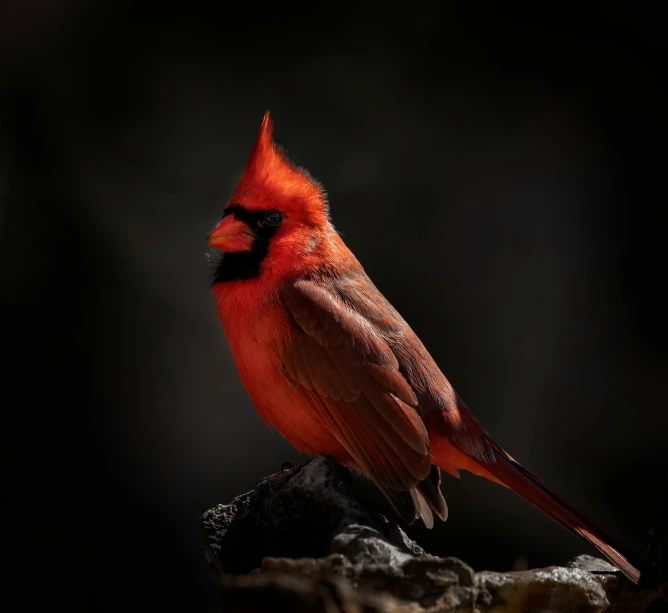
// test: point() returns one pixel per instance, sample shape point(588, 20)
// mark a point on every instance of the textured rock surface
point(306, 544)
point(295, 513)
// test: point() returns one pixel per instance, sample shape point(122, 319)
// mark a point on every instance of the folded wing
point(352, 379)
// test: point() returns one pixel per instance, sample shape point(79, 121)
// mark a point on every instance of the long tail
point(508, 472)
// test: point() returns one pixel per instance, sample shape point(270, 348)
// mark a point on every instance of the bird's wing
point(440, 407)
point(352, 379)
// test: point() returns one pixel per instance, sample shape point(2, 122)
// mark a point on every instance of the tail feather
point(510, 473)
point(421, 502)
point(422, 508)
point(430, 490)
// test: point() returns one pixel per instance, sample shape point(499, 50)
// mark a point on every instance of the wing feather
point(353, 381)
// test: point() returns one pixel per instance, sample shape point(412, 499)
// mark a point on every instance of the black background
point(498, 171)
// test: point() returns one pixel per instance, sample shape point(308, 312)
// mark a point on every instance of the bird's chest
point(256, 327)
point(257, 333)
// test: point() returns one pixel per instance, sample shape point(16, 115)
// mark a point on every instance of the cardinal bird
point(329, 363)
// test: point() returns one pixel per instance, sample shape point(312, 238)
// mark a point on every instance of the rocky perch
point(301, 541)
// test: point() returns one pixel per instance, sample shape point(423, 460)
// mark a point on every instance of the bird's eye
point(273, 218)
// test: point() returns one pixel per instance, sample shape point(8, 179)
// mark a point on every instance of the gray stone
point(544, 589)
point(301, 541)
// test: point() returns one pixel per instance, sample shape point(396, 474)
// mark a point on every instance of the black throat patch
point(241, 265)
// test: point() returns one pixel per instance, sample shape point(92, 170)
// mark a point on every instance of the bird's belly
point(289, 410)
point(283, 406)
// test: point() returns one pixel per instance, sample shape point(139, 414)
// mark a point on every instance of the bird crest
point(271, 180)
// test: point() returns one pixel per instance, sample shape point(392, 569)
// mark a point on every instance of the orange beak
point(231, 234)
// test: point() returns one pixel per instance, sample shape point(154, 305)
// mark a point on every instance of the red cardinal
point(335, 369)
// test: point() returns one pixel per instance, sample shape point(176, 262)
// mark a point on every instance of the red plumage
point(329, 363)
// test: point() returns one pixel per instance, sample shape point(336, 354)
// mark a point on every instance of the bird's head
point(275, 202)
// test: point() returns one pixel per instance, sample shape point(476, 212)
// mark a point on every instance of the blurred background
point(518, 152)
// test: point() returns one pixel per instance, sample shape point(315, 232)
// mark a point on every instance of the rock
point(624, 597)
point(296, 594)
point(306, 544)
point(295, 513)
point(544, 589)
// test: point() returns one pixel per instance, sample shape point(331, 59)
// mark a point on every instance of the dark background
point(499, 173)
